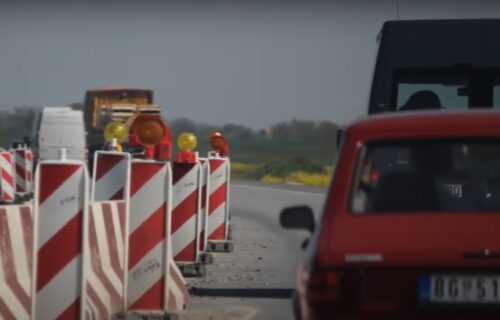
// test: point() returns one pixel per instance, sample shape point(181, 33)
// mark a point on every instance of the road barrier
point(105, 285)
point(60, 228)
point(154, 281)
point(7, 176)
point(23, 159)
point(16, 249)
point(218, 204)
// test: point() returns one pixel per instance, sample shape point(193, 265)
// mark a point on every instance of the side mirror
point(300, 217)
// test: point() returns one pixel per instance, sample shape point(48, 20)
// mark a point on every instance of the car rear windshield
point(428, 175)
point(446, 88)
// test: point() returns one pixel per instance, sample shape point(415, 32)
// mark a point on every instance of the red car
point(411, 224)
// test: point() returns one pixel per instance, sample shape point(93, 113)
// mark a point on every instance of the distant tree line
point(19, 122)
point(319, 133)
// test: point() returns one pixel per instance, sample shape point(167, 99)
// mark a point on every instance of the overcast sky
point(247, 62)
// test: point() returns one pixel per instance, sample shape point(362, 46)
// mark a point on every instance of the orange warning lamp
point(219, 144)
point(151, 133)
point(187, 142)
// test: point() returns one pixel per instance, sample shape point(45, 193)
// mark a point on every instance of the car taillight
point(323, 286)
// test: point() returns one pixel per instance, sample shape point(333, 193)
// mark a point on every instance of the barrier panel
point(106, 265)
point(7, 176)
point(205, 188)
point(218, 204)
point(16, 250)
point(154, 282)
point(24, 170)
point(60, 216)
point(111, 175)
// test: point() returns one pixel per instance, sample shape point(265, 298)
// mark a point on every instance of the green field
point(265, 151)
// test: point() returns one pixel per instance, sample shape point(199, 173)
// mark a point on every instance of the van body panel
point(57, 128)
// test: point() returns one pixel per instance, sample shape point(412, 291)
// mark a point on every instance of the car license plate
point(449, 288)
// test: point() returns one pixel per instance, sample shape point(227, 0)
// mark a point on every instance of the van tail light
point(323, 287)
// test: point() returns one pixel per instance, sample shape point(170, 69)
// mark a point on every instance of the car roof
point(422, 123)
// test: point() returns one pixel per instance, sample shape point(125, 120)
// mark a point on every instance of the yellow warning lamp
point(116, 130)
point(187, 141)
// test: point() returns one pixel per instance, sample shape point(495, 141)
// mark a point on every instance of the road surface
point(255, 281)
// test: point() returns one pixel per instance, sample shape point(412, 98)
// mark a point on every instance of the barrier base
point(206, 258)
point(195, 270)
point(219, 246)
point(145, 315)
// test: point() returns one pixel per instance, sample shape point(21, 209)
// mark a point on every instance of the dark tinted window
point(428, 175)
point(452, 88)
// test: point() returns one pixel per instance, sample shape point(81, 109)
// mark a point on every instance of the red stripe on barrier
point(105, 166)
point(204, 196)
point(27, 224)
point(202, 241)
point(8, 264)
point(5, 312)
point(101, 308)
point(96, 261)
point(219, 233)
point(72, 312)
point(184, 211)
point(121, 216)
point(149, 300)
point(6, 176)
point(59, 250)
point(110, 237)
point(7, 157)
point(215, 164)
point(53, 176)
point(179, 170)
point(217, 198)
point(19, 170)
point(180, 284)
point(147, 236)
point(29, 156)
point(188, 253)
point(118, 195)
point(141, 174)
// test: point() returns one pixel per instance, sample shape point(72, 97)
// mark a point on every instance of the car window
point(452, 88)
point(428, 175)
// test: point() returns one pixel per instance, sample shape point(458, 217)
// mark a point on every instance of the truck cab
point(437, 64)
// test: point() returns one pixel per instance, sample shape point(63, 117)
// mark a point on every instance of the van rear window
point(446, 175)
point(446, 88)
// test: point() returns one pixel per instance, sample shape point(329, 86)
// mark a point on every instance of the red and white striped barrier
point(60, 217)
point(111, 176)
point(24, 169)
point(16, 241)
point(106, 265)
point(7, 177)
point(108, 245)
point(154, 281)
point(218, 204)
point(185, 211)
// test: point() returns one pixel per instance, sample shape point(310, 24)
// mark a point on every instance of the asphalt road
point(255, 281)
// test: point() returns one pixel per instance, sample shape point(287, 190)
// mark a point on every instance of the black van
point(437, 64)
